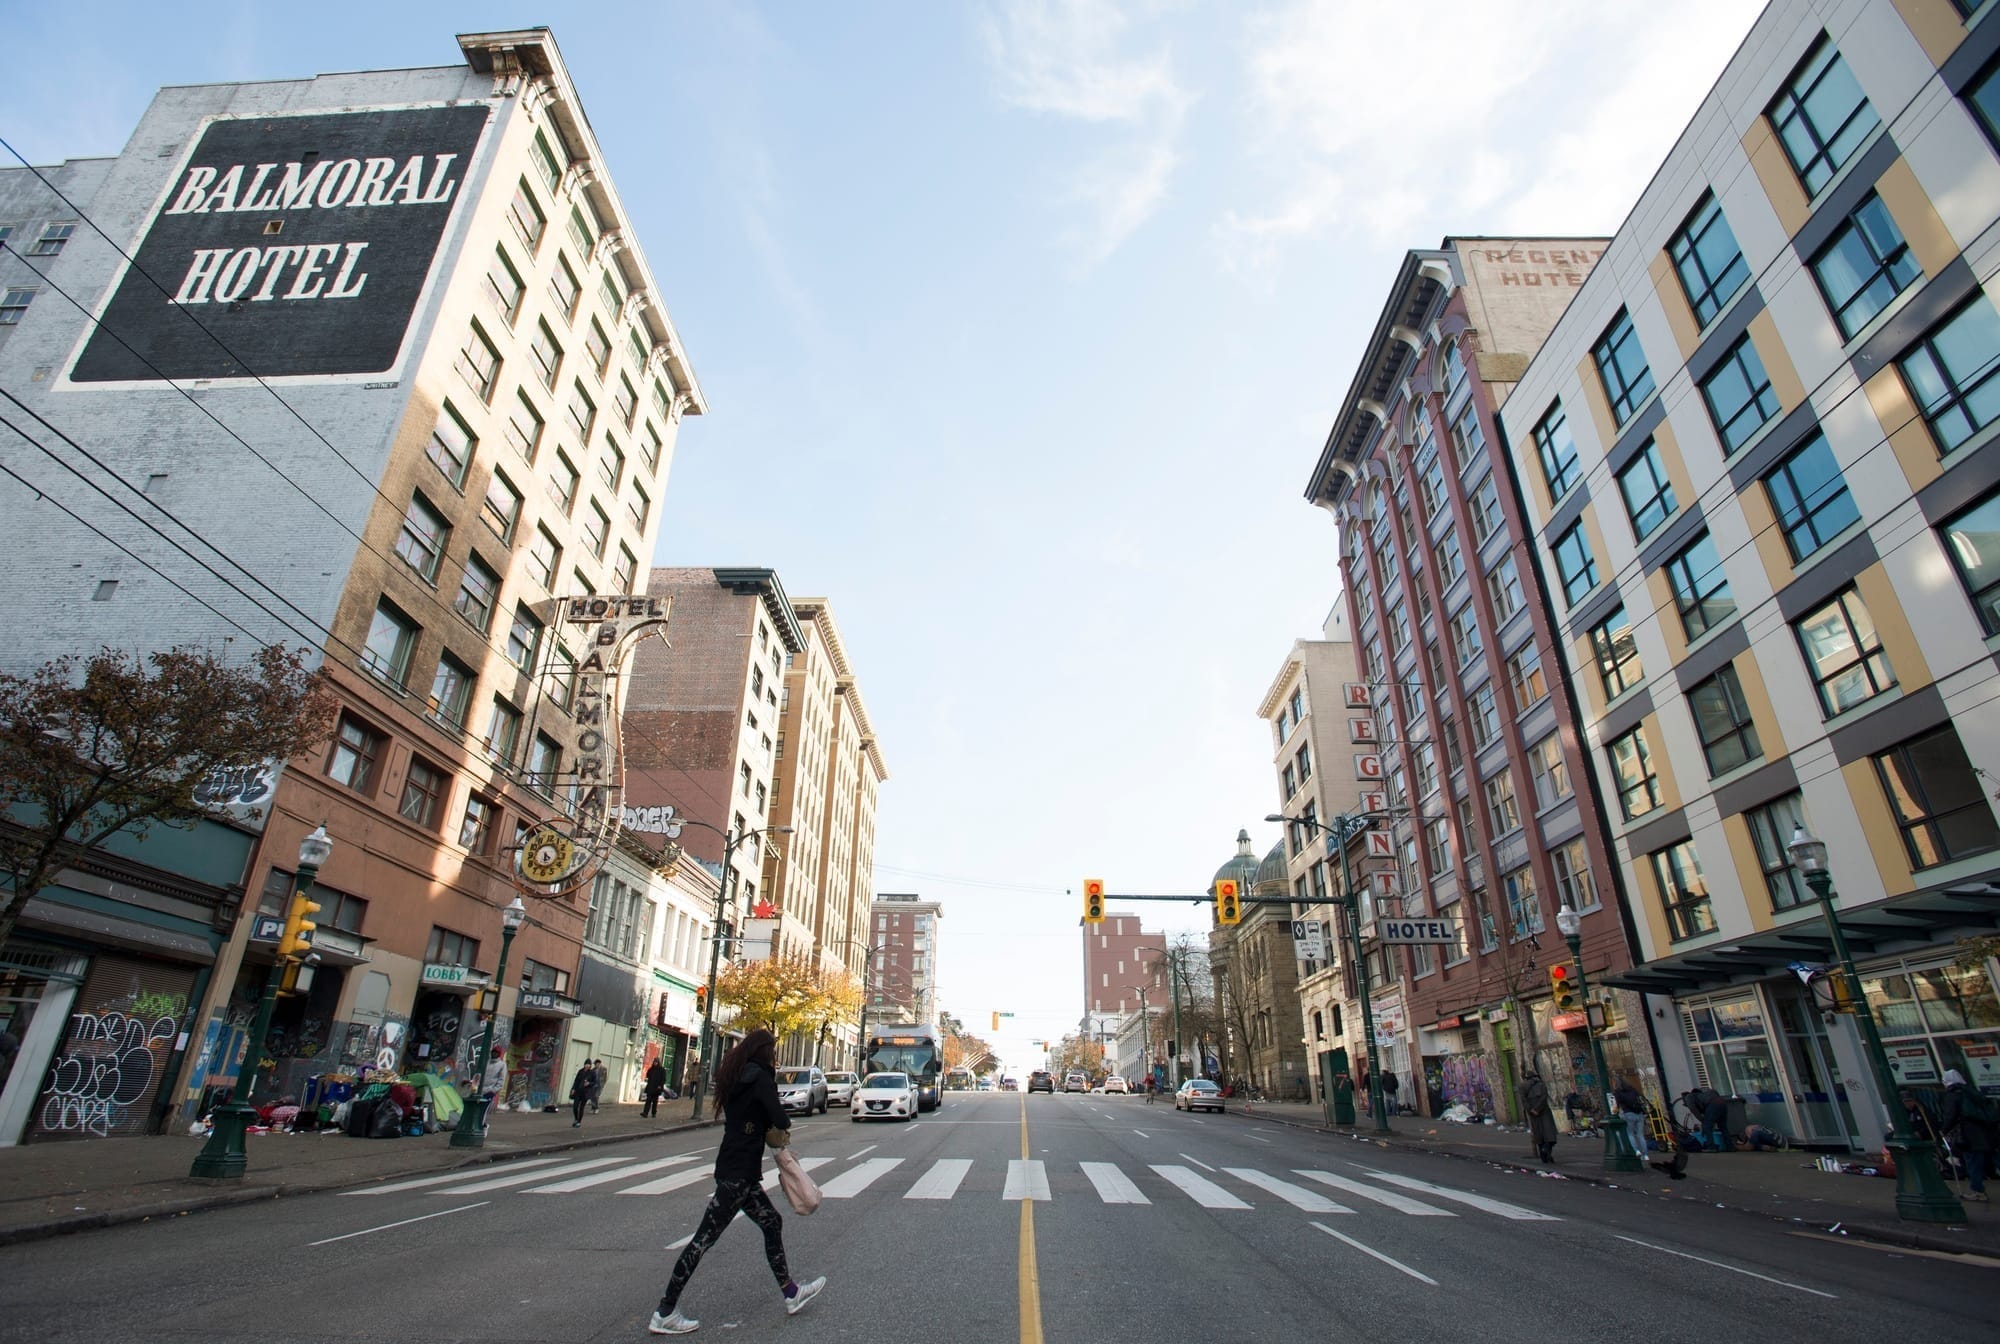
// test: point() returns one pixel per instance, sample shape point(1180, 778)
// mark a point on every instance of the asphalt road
point(1139, 1223)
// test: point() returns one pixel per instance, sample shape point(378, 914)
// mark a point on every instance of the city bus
point(960, 1080)
point(917, 1050)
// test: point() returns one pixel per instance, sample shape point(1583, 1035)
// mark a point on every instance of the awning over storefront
point(1901, 924)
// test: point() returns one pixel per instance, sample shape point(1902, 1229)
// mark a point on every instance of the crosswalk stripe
point(1199, 1188)
point(1113, 1185)
point(422, 1181)
point(941, 1181)
point(1027, 1178)
point(1296, 1195)
point(805, 1164)
point(606, 1177)
point(856, 1179)
point(502, 1182)
point(1400, 1203)
point(673, 1182)
point(1499, 1206)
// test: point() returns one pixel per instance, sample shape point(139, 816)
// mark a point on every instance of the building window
point(502, 507)
point(562, 677)
point(1574, 563)
point(639, 508)
point(1983, 97)
point(1973, 541)
point(478, 590)
point(1701, 589)
point(1468, 440)
point(1809, 496)
point(1548, 771)
point(451, 445)
point(544, 764)
point(579, 233)
point(14, 306)
point(544, 558)
point(1739, 396)
point(547, 352)
point(1821, 116)
point(1683, 891)
point(563, 480)
point(1500, 804)
point(422, 539)
point(451, 691)
point(451, 949)
point(392, 639)
point(1524, 904)
point(626, 570)
point(1649, 495)
point(608, 295)
point(1844, 654)
point(1525, 679)
point(1632, 771)
point(1575, 887)
point(53, 240)
point(1722, 721)
point(1951, 374)
point(582, 413)
point(479, 363)
point(564, 287)
point(1503, 586)
point(596, 529)
point(524, 640)
point(1936, 796)
point(1450, 560)
point(526, 216)
point(1430, 483)
point(1465, 634)
point(1304, 760)
point(524, 426)
point(1707, 259)
point(1557, 452)
point(625, 401)
point(1617, 654)
point(1621, 366)
point(545, 162)
point(1771, 829)
point(611, 464)
point(503, 286)
point(1483, 717)
point(1865, 265)
point(503, 731)
point(352, 759)
point(423, 793)
point(1485, 510)
point(1399, 627)
point(598, 346)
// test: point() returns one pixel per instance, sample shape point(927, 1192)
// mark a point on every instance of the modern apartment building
point(377, 365)
point(902, 979)
point(1461, 719)
point(1760, 451)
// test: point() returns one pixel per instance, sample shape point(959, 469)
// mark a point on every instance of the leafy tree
point(92, 747)
point(787, 994)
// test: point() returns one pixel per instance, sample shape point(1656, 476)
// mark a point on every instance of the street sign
point(1309, 939)
point(1403, 929)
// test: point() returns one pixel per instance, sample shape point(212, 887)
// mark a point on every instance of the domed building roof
point(1272, 879)
point(1243, 867)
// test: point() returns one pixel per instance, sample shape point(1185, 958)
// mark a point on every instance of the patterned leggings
point(729, 1197)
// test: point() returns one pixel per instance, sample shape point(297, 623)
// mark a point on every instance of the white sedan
point(885, 1096)
point(840, 1089)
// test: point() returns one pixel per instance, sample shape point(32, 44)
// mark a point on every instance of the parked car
point(802, 1089)
point(840, 1089)
point(1010, 1084)
point(885, 1096)
point(1041, 1080)
point(1076, 1082)
point(1198, 1094)
point(1116, 1084)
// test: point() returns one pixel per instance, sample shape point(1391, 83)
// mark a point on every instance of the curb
point(195, 1202)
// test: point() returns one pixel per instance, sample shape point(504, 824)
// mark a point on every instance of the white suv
point(1076, 1082)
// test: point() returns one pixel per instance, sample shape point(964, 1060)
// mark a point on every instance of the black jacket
point(751, 1107)
point(656, 1078)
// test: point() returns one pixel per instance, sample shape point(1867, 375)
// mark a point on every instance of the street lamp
point(471, 1131)
point(1174, 982)
point(223, 1158)
point(731, 840)
point(1921, 1196)
point(1338, 831)
point(1619, 1154)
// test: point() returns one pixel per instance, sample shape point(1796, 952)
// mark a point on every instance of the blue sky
point(1021, 324)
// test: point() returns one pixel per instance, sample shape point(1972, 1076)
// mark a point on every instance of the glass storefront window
point(1895, 1004)
point(1955, 998)
point(1938, 1018)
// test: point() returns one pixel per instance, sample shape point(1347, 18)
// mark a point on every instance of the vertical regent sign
point(300, 243)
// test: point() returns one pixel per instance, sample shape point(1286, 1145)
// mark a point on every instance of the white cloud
point(1479, 116)
point(1081, 60)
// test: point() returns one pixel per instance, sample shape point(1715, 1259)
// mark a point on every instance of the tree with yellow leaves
point(787, 994)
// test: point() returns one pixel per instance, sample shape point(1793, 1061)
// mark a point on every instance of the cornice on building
point(764, 584)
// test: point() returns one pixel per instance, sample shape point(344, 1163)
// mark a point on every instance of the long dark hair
point(759, 1047)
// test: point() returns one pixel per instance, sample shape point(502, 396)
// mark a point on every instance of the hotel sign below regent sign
point(288, 246)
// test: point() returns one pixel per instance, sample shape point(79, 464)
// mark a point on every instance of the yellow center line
point(1031, 1279)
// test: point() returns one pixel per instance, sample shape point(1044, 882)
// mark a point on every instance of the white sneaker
point(806, 1293)
point(675, 1324)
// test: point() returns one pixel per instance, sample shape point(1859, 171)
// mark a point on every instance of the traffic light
point(1562, 984)
point(701, 1000)
point(1093, 900)
point(1228, 903)
point(299, 927)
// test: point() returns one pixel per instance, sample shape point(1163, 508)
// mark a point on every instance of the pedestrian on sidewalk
point(580, 1089)
point(494, 1084)
point(1541, 1119)
point(597, 1086)
point(1389, 1086)
point(1968, 1120)
point(656, 1083)
point(746, 1096)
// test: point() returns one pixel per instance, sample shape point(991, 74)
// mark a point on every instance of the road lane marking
point(1254, 1137)
point(941, 1181)
point(1027, 1178)
point(805, 1164)
point(856, 1157)
point(673, 1182)
point(1142, 1133)
point(1296, 1195)
point(452, 1176)
point(1499, 1206)
point(1113, 1185)
point(1370, 1250)
point(1731, 1268)
point(1199, 1188)
point(1400, 1203)
point(606, 1177)
point(442, 1213)
point(1029, 1274)
point(1197, 1161)
point(518, 1178)
point(856, 1179)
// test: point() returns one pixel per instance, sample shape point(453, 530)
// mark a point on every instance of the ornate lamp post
point(471, 1130)
point(1921, 1194)
point(1619, 1154)
point(223, 1157)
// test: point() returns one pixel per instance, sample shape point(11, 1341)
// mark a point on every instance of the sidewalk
point(1783, 1185)
point(47, 1189)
